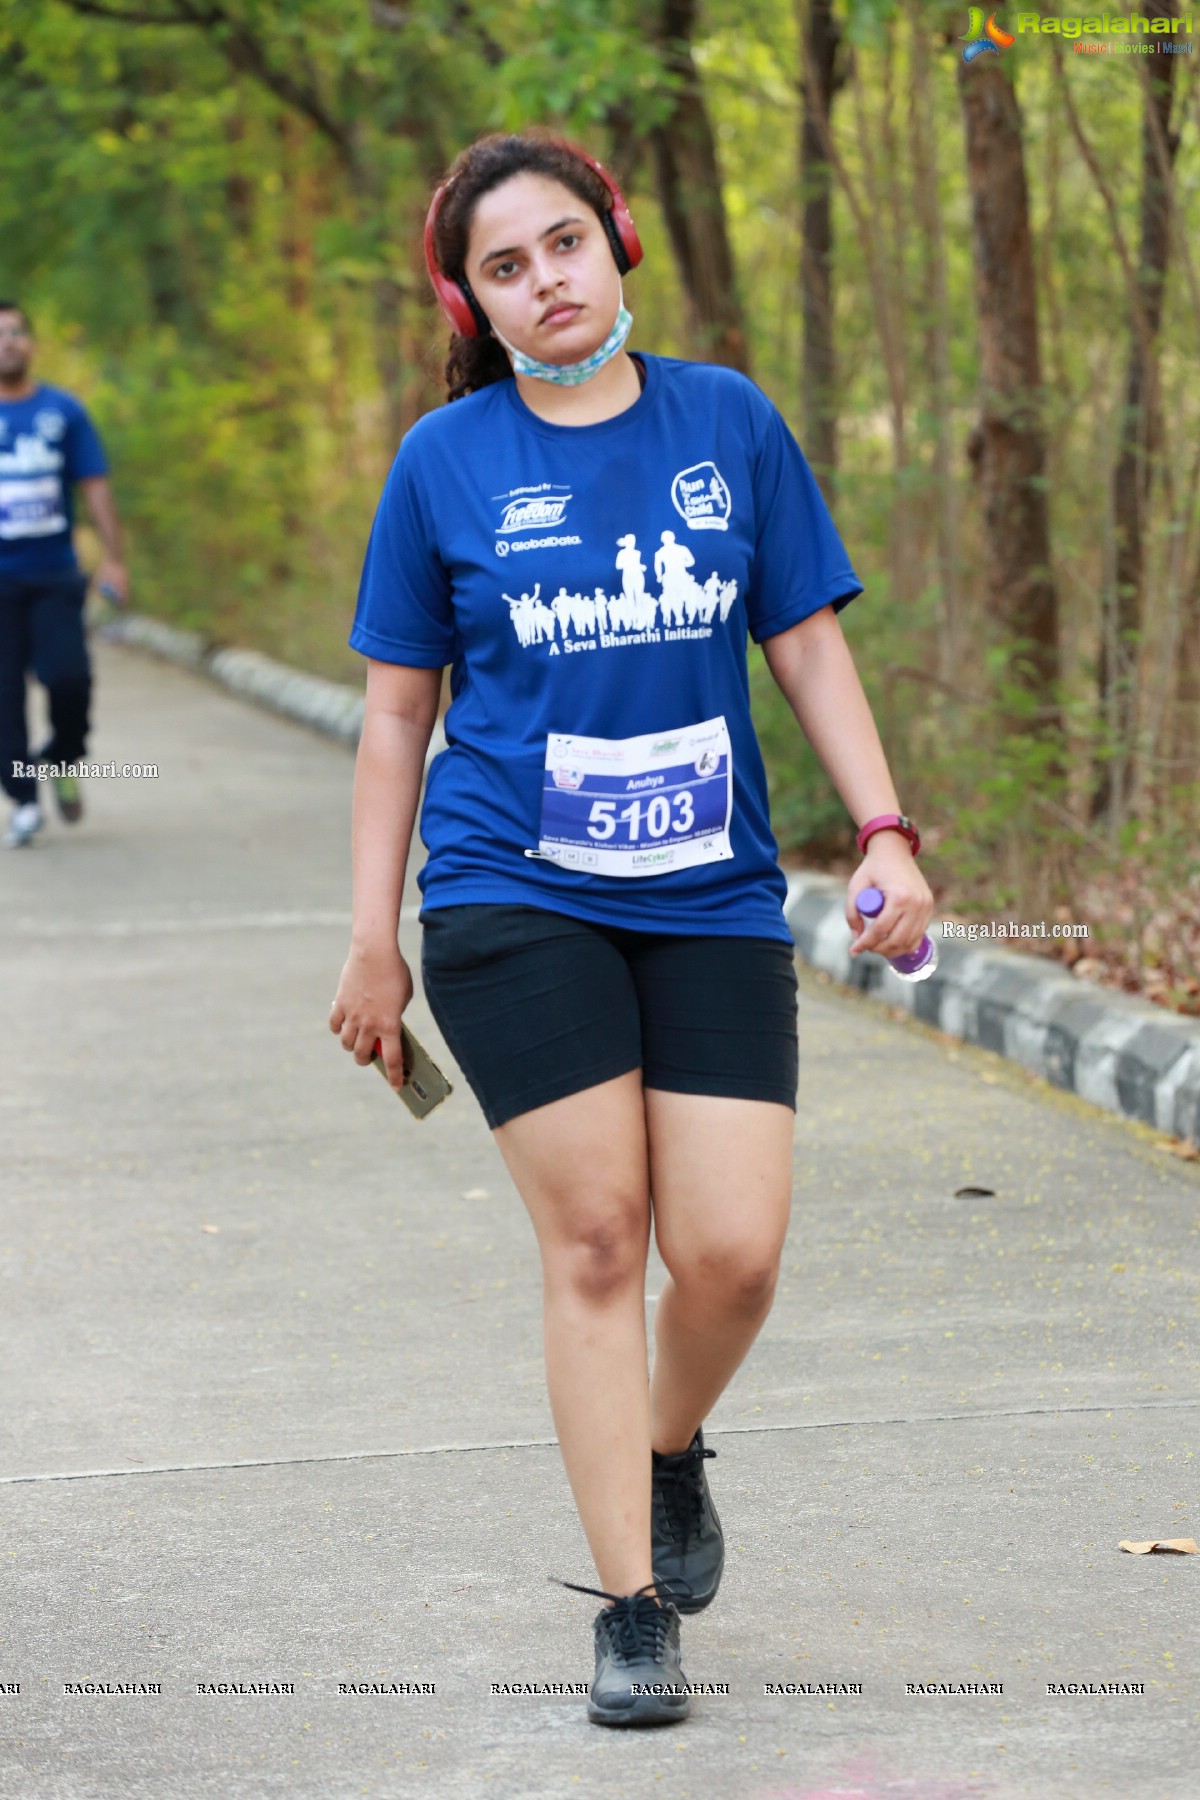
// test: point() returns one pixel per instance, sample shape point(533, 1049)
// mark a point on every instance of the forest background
point(966, 282)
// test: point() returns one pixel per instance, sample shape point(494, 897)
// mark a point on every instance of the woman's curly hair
point(475, 362)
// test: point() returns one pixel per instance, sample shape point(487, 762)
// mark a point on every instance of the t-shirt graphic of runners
point(532, 618)
point(636, 606)
point(681, 594)
point(577, 610)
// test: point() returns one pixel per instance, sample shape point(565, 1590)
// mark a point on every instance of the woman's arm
point(401, 710)
point(815, 672)
point(376, 984)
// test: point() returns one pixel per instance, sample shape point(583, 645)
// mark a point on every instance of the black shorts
point(535, 1005)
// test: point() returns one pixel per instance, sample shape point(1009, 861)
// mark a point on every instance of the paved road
point(274, 1398)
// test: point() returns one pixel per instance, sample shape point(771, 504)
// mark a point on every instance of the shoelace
point(678, 1482)
point(636, 1625)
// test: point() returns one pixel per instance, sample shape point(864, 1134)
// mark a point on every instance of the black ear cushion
point(480, 317)
point(618, 249)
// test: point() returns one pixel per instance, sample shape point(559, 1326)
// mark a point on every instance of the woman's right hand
point(375, 987)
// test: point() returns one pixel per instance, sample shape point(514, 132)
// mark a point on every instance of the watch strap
point(886, 822)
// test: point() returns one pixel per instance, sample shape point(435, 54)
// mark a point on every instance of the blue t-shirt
point(599, 581)
point(46, 442)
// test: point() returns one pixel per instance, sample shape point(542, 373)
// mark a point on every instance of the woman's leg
point(580, 1166)
point(721, 1176)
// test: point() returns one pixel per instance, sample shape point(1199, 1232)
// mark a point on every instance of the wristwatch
point(886, 821)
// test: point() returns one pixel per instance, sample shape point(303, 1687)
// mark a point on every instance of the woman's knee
point(736, 1275)
point(601, 1253)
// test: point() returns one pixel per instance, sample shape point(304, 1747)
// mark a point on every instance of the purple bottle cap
point(870, 902)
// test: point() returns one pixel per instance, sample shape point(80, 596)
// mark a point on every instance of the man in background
point(47, 444)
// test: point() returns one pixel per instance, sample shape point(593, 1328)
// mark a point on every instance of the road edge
point(330, 707)
point(1114, 1050)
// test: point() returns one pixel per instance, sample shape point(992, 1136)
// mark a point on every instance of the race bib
point(31, 509)
point(638, 806)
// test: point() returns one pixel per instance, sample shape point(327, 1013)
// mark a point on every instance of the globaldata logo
point(991, 36)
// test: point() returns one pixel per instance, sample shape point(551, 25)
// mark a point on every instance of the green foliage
point(866, 19)
point(575, 61)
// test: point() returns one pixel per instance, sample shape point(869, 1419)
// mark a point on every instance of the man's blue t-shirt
point(596, 582)
point(47, 442)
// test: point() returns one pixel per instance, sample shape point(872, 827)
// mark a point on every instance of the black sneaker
point(638, 1679)
point(689, 1550)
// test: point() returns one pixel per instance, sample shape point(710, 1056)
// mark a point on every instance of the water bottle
point(917, 964)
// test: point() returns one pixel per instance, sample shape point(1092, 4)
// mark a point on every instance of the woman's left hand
point(889, 865)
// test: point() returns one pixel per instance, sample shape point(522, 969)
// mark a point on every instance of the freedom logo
point(991, 36)
point(533, 513)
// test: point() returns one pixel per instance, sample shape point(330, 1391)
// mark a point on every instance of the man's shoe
point(69, 795)
point(25, 823)
point(638, 1679)
point(688, 1547)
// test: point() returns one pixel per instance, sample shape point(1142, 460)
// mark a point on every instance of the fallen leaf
point(971, 1193)
point(1180, 1546)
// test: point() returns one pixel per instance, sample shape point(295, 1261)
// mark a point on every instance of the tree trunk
point(938, 327)
point(1008, 443)
point(387, 310)
point(818, 47)
point(1183, 742)
point(889, 317)
point(688, 179)
point(887, 224)
point(1140, 437)
point(296, 244)
point(239, 189)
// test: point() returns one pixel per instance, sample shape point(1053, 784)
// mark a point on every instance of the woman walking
point(585, 536)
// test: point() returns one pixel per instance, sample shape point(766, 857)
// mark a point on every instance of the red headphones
point(454, 295)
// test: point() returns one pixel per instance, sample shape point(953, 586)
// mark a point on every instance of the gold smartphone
point(425, 1086)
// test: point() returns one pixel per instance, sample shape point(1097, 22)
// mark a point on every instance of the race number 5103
point(655, 813)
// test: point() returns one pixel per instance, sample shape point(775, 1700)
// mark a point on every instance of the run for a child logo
point(702, 498)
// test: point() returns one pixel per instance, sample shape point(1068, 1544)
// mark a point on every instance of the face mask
point(569, 374)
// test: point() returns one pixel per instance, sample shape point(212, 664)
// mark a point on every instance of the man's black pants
point(42, 631)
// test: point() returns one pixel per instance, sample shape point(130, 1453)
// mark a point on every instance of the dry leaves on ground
point(1179, 1546)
